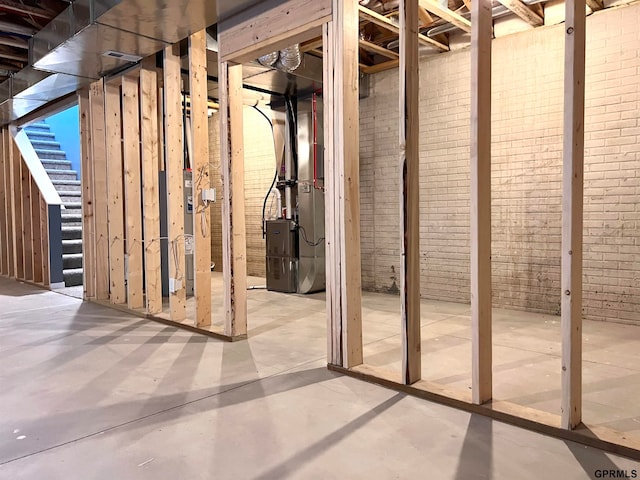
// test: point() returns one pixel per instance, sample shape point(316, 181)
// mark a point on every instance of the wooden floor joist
point(201, 182)
point(150, 179)
point(409, 130)
point(234, 244)
point(481, 308)
point(572, 213)
point(446, 14)
point(174, 160)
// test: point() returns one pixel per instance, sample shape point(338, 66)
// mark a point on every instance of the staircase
point(68, 186)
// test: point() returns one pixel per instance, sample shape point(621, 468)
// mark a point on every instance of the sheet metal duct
point(72, 50)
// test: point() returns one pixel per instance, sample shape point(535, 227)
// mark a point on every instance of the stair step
point(51, 154)
point(73, 220)
point(62, 174)
point(72, 260)
point(67, 185)
point(72, 277)
point(45, 145)
point(35, 135)
point(38, 126)
point(71, 233)
point(55, 164)
point(72, 207)
point(71, 247)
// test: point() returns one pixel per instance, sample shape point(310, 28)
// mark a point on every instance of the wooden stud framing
point(88, 220)
point(409, 129)
point(150, 195)
point(201, 182)
point(4, 239)
point(44, 237)
point(234, 245)
point(174, 157)
point(572, 213)
point(132, 183)
point(342, 183)
point(481, 36)
point(101, 197)
point(10, 205)
point(36, 226)
point(27, 255)
point(115, 187)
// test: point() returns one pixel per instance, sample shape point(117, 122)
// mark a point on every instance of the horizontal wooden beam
point(524, 12)
point(14, 42)
point(384, 22)
point(595, 5)
point(311, 45)
point(270, 26)
point(446, 14)
point(9, 27)
point(380, 67)
point(373, 48)
point(13, 56)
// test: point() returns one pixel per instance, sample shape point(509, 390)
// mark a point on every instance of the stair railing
point(31, 233)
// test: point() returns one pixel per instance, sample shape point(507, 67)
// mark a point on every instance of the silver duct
point(288, 59)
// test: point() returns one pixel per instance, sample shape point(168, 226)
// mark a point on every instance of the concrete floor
point(90, 392)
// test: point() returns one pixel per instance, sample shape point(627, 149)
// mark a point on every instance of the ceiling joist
point(373, 48)
point(446, 14)
point(25, 10)
point(524, 12)
point(14, 42)
point(595, 5)
point(9, 27)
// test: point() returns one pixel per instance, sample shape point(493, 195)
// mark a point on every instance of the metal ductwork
point(93, 38)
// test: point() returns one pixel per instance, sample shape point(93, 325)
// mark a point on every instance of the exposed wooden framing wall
point(174, 160)
point(572, 213)
point(481, 36)
point(201, 182)
point(115, 187)
point(234, 245)
point(10, 205)
point(149, 130)
point(87, 176)
point(132, 194)
point(342, 184)
point(101, 197)
point(409, 130)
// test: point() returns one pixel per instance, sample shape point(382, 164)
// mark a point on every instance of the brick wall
point(259, 171)
point(526, 177)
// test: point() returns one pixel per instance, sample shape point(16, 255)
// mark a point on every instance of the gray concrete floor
point(90, 392)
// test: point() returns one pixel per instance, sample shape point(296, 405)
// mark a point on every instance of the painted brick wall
point(526, 177)
point(259, 171)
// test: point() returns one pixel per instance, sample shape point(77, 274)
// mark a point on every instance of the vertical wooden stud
point(572, 213)
point(36, 226)
point(344, 295)
point(174, 159)
point(132, 183)
point(88, 221)
point(4, 248)
point(234, 245)
point(201, 182)
point(481, 35)
point(10, 205)
point(27, 238)
point(410, 192)
point(101, 198)
point(44, 236)
point(115, 187)
point(150, 178)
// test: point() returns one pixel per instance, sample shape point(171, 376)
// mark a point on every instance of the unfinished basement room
point(350, 239)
